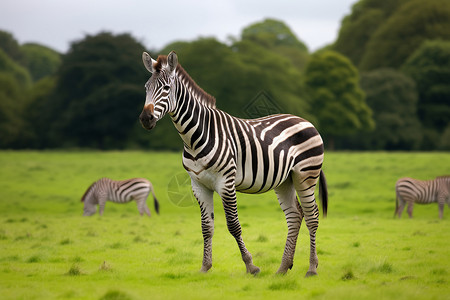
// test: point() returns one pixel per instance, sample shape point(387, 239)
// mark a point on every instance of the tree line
point(382, 85)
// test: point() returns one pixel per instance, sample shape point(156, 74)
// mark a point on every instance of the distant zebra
point(227, 154)
point(122, 191)
point(409, 190)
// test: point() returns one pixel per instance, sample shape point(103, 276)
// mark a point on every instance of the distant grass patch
point(77, 259)
point(34, 259)
point(384, 267)
point(65, 242)
point(283, 285)
point(262, 238)
point(105, 267)
point(348, 275)
point(116, 295)
point(74, 270)
point(117, 245)
point(439, 271)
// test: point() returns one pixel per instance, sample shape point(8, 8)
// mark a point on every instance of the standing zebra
point(226, 154)
point(409, 190)
point(122, 191)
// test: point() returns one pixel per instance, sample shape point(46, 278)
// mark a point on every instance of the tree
point(277, 37)
point(276, 75)
point(332, 83)
point(35, 118)
point(10, 46)
point(397, 38)
point(99, 92)
point(358, 28)
point(14, 83)
point(429, 66)
point(10, 110)
point(392, 96)
point(40, 60)
point(9, 66)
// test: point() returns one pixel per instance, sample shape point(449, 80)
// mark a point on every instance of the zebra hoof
point(205, 269)
point(253, 270)
point(310, 274)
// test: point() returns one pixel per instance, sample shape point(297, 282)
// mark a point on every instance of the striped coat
point(410, 191)
point(121, 191)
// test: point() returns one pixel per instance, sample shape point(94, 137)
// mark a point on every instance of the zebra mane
point(193, 87)
point(87, 191)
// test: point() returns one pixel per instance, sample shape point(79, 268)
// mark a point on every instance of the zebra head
point(160, 88)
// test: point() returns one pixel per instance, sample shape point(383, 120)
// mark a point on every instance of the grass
point(48, 250)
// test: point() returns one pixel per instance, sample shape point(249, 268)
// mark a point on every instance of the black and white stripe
point(410, 191)
point(227, 154)
point(122, 191)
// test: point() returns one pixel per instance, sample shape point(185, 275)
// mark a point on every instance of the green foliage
point(277, 37)
point(337, 100)
point(393, 97)
point(429, 66)
point(14, 82)
point(397, 38)
point(358, 28)
point(273, 73)
point(393, 259)
point(21, 75)
point(271, 33)
point(10, 46)
point(10, 121)
point(41, 61)
point(99, 93)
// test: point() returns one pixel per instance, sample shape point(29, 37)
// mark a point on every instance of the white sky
point(56, 23)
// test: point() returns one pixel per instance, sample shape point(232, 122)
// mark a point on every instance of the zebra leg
point(101, 205)
point(305, 190)
point(205, 200)
point(142, 206)
point(228, 196)
point(401, 206)
point(410, 208)
point(441, 204)
point(294, 216)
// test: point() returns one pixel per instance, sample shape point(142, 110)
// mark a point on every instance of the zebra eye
point(166, 88)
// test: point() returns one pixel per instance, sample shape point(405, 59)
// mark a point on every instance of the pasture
point(48, 250)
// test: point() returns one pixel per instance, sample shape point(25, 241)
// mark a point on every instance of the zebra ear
point(172, 59)
point(148, 62)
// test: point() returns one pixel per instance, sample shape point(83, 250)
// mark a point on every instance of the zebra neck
point(194, 120)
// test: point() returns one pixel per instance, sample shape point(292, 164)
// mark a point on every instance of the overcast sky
point(56, 23)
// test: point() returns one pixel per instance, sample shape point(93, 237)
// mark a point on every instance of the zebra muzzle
point(148, 120)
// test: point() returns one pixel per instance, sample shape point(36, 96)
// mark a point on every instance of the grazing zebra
point(226, 154)
point(409, 190)
point(122, 191)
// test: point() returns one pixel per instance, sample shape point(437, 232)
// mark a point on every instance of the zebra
point(225, 154)
point(121, 191)
point(409, 190)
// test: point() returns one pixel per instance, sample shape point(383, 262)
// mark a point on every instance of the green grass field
point(48, 250)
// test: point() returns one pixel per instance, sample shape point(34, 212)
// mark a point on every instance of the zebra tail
point(323, 193)
point(156, 203)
